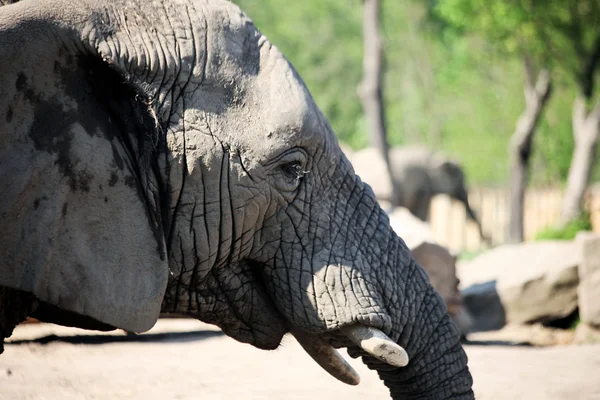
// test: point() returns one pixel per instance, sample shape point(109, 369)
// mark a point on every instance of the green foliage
point(553, 32)
point(452, 91)
point(508, 25)
point(575, 323)
point(569, 232)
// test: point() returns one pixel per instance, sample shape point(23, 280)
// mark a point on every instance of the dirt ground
point(184, 359)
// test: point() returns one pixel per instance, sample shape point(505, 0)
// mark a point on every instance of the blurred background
point(501, 87)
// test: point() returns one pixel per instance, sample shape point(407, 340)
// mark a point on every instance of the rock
point(586, 334)
point(522, 283)
point(589, 277)
point(483, 303)
point(440, 266)
point(436, 260)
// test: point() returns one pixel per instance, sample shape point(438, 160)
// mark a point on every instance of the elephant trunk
point(416, 316)
point(397, 323)
point(437, 366)
point(463, 197)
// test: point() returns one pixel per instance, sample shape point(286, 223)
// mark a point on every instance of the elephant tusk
point(327, 357)
point(377, 344)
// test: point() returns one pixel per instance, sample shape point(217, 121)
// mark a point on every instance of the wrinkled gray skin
point(420, 174)
point(165, 157)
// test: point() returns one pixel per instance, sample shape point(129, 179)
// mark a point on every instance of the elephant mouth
point(361, 341)
point(376, 348)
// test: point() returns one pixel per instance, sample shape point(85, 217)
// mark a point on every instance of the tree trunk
point(537, 95)
point(586, 130)
point(370, 89)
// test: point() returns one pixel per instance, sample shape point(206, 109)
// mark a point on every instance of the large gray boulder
point(589, 276)
point(521, 283)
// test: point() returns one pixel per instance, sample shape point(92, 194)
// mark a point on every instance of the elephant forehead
point(231, 43)
point(285, 111)
point(289, 101)
point(271, 111)
point(239, 55)
point(249, 92)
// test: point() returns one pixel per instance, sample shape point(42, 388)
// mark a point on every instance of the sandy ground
point(195, 361)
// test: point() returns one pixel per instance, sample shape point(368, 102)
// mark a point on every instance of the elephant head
point(448, 178)
point(163, 156)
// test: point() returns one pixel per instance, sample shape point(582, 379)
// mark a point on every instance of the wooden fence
point(542, 209)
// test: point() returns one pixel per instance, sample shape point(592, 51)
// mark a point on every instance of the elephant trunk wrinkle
point(414, 319)
point(421, 325)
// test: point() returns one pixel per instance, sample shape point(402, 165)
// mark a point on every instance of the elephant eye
point(288, 169)
point(293, 170)
point(292, 173)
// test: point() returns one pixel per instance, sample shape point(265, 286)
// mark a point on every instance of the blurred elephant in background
point(419, 173)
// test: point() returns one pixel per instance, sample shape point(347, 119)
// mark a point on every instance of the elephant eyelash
point(294, 170)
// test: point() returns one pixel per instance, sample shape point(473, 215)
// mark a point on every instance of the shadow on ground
point(167, 337)
point(467, 342)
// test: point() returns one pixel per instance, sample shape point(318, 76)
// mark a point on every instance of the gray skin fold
point(235, 203)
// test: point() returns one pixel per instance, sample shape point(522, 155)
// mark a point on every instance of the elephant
point(164, 157)
point(419, 174)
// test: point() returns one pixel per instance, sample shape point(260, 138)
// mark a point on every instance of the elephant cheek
point(232, 298)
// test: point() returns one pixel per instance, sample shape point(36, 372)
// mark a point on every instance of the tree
point(511, 28)
point(371, 91)
point(579, 27)
point(537, 93)
point(451, 92)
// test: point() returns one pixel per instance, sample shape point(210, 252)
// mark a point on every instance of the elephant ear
point(79, 217)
